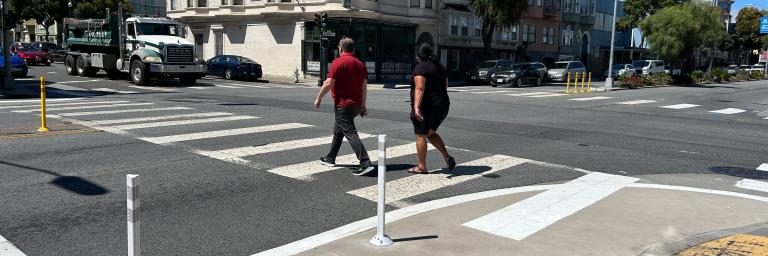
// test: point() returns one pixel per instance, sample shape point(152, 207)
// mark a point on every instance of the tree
point(676, 31)
point(96, 9)
point(637, 10)
point(497, 15)
point(747, 32)
point(44, 12)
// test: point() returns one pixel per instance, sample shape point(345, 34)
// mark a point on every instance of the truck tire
point(69, 65)
point(82, 68)
point(138, 73)
point(188, 80)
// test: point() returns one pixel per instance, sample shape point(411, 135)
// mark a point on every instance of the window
point(505, 35)
point(173, 5)
point(608, 22)
point(599, 21)
point(454, 24)
point(549, 36)
point(567, 36)
point(464, 26)
point(513, 33)
point(131, 29)
point(190, 3)
point(538, 3)
point(428, 4)
point(224, 2)
point(525, 33)
point(202, 3)
point(478, 27)
point(531, 33)
point(530, 2)
point(415, 3)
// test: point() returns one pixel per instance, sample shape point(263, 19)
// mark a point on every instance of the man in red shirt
point(348, 83)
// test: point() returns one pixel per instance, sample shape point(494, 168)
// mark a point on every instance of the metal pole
point(381, 237)
point(132, 184)
point(8, 82)
point(609, 79)
point(43, 126)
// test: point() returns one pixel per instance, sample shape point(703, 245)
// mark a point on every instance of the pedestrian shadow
point(414, 238)
point(740, 172)
point(73, 184)
point(465, 170)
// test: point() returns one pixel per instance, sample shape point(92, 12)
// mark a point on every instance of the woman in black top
point(429, 107)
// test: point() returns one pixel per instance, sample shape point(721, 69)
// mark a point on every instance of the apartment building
point(601, 39)
point(540, 31)
point(282, 36)
point(576, 22)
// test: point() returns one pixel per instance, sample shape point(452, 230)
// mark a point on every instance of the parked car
point(756, 68)
point(233, 67)
point(559, 71)
point(519, 74)
point(55, 52)
point(32, 55)
point(622, 70)
point(649, 67)
point(18, 66)
point(732, 69)
point(486, 70)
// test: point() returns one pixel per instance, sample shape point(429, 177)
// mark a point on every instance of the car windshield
point(245, 60)
point(157, 29)
point(515, 67)
point(487, 64)
point(559, 65)
point(640, 63)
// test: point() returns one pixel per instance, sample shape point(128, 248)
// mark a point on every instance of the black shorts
point(433, 117)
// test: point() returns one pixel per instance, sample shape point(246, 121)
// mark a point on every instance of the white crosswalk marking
point(64, 104)
point(152, 88)
point(113, 90)
point(489, 92)
point(592, 98)
point(281, 146)
point(728, 111)
point(752, 185)
point(303, 171)
point(155, 118)
point(200, 87)
point(223, 133)
point(680, 106)
point(254, 86)
point(228, 86)
point(32, 101)
point(636, 102)
point(87, 107)
point(106, 112)
point(547, 95)
point(8, 249)
point(181, 122)
point(527, 94)
point(418, 184)
point(77, 81)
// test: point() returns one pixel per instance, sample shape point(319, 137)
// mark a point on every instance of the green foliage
point(747, 28)
point(631, 82)
point(637, 10)
point(697, 76)
point(96, 9)
point(719, 75)
point(497, 15)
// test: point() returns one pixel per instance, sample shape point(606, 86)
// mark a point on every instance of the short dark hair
point(346, 44)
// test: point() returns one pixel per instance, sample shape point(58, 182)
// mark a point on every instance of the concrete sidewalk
point(637, 219)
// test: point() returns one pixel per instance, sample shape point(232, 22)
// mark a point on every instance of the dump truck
point(145, 47)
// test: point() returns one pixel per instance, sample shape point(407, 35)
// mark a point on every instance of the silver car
point(621, 70)
point(559, 71)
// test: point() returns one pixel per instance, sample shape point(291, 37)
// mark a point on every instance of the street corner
point(597, 214)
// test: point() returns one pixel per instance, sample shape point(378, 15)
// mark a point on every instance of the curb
point(675, 247)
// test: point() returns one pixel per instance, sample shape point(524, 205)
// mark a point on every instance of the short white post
point(381, 238)
point(132, 183)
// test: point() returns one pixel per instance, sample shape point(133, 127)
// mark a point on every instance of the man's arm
point(324, 90)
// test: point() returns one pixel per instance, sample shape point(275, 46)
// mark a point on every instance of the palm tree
point(497, 15)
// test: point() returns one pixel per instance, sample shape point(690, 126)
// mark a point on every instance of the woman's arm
point(418, 94)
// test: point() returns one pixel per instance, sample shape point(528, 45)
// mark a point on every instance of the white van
point(649, 67)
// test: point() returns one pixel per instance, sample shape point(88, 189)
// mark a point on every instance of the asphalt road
point(225, 185)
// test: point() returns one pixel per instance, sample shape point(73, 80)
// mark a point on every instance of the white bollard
point(381, 238)
point(132, 183)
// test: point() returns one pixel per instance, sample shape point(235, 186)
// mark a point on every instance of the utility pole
point(609, 79)
point(7, 81)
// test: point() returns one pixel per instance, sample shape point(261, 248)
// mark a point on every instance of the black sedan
point(234, 67)
point(519, 74)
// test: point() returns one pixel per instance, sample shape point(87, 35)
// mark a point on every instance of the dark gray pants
point(345, 127)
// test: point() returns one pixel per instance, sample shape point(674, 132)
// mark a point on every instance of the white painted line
point(303, 171)
point(181, 122)
point(533, 214)
point(752, 185)
point(113, 90)
point(591, 98)
point(728, 111)
point(455, 90)
point(228, 86)
point(280, 146)
point(75, 82)
point(699, 190)
point(50, 72)
point(122, 111)
point(636, 102)
point(87, 107)
point(763, 167)
point(8, 249)
point(489, 92)
point(254, 86)
point(680, 106)
point(200, 87)
point(63, 104)
point(37, 100)
point(547, 95)
point(418, 184)
point(152, 88)
point(224, 133)
point(527, 94)
point(155, 118)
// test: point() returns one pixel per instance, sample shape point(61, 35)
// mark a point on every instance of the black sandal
point(451, 163)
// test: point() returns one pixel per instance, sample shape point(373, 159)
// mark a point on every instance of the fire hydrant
point(296, 75)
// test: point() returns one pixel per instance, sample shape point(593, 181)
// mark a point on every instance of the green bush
point(631, 82)
point(697, 76)
point(658, 79)
point(719, 75)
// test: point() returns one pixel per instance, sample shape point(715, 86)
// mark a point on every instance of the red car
point(33, 56)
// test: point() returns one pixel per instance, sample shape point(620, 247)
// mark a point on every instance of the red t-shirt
point(349, 73)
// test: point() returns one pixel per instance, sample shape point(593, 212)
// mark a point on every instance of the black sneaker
point(327, 161)
point(363, 169)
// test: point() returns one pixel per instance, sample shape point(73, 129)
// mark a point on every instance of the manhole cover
point(741, 244)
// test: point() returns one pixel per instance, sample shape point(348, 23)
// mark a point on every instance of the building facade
point(600, 44)
point(540, 31)
point(30, 31)
point(576, 22)
point(148, 7)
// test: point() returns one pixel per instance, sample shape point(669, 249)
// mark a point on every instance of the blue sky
point(761, 4)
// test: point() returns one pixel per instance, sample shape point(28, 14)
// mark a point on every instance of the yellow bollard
point(589, 83)
point(43, 127)
point(583, 77)
point(567, 83)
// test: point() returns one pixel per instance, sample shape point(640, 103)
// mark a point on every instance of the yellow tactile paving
point(735, 245)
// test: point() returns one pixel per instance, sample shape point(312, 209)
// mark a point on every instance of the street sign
point(764, 25)
point(329, 33)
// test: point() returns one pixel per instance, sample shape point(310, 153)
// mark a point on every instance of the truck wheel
point(81, 66)
point(139, 73)
point(69, 65)
point(188, 80)
point(228, 74)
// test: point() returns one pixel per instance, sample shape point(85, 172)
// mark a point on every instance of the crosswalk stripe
point(418, 184)
point(200, 87)
point(254, 86)
point(113, 90)
point(87, 107)
point(105, 112)
point(752, 185)
point(527, 94)
point(155, 118)
point(680, 106)
point(223, 133)
point(303, 171)
point(77, 81)
point(489, 92)
point(8, 249)
point(458, 90)
point(63, 104)
point(228, 86)
point(281, 146)
point(152, 88)
point(728, 111)
point(181, 122)
point(636, 102)
point(37, 100)
point(547, 95)
point(591, 98)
